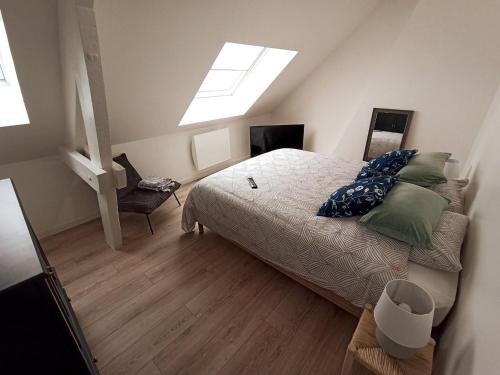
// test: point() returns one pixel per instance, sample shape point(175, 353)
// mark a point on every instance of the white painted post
point(91, 95)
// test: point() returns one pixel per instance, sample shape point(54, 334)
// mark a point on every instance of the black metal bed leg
point(150, 227)
point(177, 199)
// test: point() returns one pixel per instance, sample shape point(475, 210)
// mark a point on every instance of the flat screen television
point(272, 137)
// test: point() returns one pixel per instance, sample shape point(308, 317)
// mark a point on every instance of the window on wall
point(12, 108)
point(238, 77)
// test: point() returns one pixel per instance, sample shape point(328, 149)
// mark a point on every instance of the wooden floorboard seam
point(192, 304)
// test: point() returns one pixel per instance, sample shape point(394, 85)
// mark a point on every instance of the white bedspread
point(278, 222)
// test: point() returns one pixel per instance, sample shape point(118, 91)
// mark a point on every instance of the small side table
point(365, 356)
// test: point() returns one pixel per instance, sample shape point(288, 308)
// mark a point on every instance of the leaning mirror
point(388, 130)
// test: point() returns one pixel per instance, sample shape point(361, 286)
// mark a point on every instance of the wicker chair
point(140, 201)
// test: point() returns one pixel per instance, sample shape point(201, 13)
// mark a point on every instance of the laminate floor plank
point(149, 369)
point(174, 278)
point(232, 335)
point(118, 297)
point(225, 287)
point(134, 358)
point(175, 303)
point(257, 354)
point(178, 356)
point(292, 309)
point(84, 284)
point(150, 313)
point(330, 352)
point(137, 270)
point(86, 263)
point(306, 338)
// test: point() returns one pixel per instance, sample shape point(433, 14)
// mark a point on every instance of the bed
point(338, 258)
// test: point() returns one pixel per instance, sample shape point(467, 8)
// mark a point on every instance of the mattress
point(278, 222)
point(441, 285)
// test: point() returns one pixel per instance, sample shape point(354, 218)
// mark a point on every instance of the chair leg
point(177, 199)
point(150, 227)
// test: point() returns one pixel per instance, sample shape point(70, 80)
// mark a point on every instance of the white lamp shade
point(452, 169)
point(408, 329)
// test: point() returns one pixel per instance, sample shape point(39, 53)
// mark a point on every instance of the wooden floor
point(193, 304)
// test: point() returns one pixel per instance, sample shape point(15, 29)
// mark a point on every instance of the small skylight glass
point(238, 77)
point(12, 109)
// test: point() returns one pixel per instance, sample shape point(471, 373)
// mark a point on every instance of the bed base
point(325, 293)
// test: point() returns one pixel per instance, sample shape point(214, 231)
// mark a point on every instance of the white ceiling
point(155, 53)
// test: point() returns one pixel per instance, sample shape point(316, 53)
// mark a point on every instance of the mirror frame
point(376, 111)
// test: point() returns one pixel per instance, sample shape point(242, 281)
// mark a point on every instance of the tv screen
point(272, 137)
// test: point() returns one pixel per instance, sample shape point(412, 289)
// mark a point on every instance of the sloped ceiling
point(155, 53)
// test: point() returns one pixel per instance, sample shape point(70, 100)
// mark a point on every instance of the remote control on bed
point(252, 183)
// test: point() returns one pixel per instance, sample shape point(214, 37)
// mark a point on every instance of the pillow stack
point(373, 183)
point(425, 169)
point(357, 198)
point(453, 191)
point(420, 207)
point(409, 214)
point(387, 164)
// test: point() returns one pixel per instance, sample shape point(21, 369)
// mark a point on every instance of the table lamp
point(403, 315)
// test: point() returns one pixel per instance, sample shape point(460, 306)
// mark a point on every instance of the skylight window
point(12, 109)
point(238, 77)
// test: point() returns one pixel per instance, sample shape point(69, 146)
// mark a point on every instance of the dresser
point(40, 333)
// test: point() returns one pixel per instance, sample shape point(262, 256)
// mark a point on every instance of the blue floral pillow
point(357, 198)
point(387, 164)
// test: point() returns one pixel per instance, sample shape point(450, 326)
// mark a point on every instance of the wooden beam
point(92, 98)
point(119, 173)
point(83, 167)
point(91, 174)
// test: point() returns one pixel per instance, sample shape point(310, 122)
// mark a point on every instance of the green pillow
point(425, 169)
point(409, 213)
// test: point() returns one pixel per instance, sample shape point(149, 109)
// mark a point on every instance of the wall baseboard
point(217, 168)
point(65, 226)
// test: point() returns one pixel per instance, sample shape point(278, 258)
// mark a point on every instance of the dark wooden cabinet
point(39, 332)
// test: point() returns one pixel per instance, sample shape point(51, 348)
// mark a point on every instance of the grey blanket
point(278, 222)
point(156, 183)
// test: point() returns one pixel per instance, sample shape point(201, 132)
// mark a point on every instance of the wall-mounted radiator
point(211, 148)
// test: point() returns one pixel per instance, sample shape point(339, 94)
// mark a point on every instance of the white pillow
point(452, 190)
point(447, 238)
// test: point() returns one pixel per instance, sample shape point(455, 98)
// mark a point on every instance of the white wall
point(72, 63)
point(31, 27)
point(328, 99)
point(53, 197)
point(170, 155)
point(469, 345)
point(155, 57)
point(442, 63)
point(155, 54)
